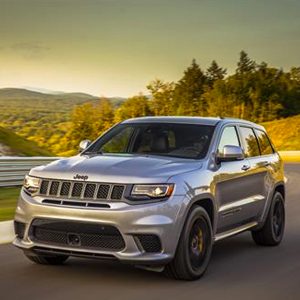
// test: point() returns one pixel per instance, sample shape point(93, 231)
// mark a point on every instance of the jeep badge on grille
point(82, 177)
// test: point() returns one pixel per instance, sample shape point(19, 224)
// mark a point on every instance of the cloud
point(31, 50)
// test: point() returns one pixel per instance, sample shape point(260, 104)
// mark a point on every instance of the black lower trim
point(43, 251)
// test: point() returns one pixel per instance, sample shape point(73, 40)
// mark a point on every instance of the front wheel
point(273, 230)
point(194, 247)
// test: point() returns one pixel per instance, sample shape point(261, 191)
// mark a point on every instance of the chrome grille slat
point(80, 190)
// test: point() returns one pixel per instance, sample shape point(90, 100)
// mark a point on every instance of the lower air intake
point(19, 229)
point(76, 235)
point(149, 242)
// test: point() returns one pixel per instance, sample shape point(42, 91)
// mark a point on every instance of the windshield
point(177, 140)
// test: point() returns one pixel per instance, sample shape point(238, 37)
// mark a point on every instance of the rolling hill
point(14, 145)
point(74, 98)
point(285, 133)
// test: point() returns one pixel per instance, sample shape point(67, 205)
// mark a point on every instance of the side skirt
point(234, 231)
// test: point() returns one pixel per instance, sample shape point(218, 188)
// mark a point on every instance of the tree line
point(256, 92)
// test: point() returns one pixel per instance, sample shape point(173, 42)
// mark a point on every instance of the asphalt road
point(239, 270)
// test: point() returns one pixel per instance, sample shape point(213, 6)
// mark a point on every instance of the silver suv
point(155, 192)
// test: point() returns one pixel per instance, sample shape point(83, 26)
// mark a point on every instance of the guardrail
point(13, 169)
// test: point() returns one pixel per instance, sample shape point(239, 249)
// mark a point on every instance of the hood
point(116, 168)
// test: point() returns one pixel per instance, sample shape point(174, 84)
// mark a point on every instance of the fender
point(186, 208)
point(268, 204)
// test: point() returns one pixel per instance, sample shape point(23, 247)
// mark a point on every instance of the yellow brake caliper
point(200, 240)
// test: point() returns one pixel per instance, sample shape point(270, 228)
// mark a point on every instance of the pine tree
point(188, 91)
point(245, 64)
point(214, 72)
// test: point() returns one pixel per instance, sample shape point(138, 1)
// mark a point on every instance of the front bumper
point(160, 219)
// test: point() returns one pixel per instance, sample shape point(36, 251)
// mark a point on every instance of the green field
point(8, 201)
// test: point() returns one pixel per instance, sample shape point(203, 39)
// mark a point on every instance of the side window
point(264, 143)
point(229, 137)
point(250, 142)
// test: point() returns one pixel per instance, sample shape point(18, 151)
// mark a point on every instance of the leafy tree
point(162, 97)
point(137, 106)
point(88, 122)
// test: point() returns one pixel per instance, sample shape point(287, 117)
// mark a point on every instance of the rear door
point(269, 161)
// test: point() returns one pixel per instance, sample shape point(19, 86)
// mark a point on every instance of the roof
point(183, 120)
point(191, 120)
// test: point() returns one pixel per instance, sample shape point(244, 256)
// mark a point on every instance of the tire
point(47, 260)
point(194, 247)
point(271, 234)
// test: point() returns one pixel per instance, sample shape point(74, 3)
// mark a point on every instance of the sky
point(116, 47)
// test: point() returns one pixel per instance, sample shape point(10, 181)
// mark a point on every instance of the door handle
point(245, 167)
point(266, 163)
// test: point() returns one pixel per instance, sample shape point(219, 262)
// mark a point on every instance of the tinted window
point(178, 140)
point(250, 143)
point(264, 143)
point(229, 137)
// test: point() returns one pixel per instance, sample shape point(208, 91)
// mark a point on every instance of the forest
point(256, 92)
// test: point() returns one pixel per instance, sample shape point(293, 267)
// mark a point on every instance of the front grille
point(89, 190)
point(88, 236)
point(117, 192)
point(149, 242)
point(65, 188)
point(81, 190)
point(103, 191)
point(44, 187)
point(77, 189)
point(54, 188)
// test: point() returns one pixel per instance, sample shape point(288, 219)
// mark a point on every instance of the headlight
point(153, 191)
point(31, 184)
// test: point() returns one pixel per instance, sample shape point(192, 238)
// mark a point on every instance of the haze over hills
point(19, 93)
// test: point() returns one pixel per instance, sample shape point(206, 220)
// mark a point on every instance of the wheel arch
point(206, 201)
point(280, 188)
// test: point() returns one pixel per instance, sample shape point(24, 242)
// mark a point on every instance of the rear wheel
point(47, 260)
point(194, 247)
point(273, 230)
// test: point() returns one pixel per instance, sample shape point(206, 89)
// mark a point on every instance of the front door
point(235, 186)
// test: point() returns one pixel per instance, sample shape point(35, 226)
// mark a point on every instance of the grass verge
point(290, 156)
point(8, 202)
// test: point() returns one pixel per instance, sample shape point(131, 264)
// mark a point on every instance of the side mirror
point(83, 145)
point(231, 153)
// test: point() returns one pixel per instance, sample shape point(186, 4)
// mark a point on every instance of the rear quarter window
point(264, 143)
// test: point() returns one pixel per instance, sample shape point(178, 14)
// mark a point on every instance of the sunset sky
point(115, 47)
